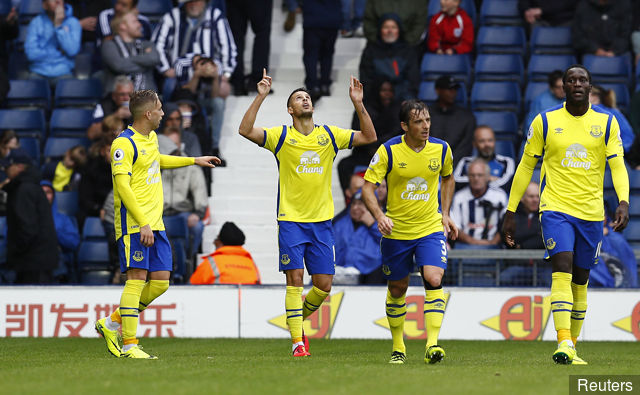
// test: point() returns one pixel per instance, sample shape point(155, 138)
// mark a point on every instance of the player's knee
point(432, 281)
point(397, 290)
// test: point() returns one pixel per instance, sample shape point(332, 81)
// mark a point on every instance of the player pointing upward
point(304, 153)
point(577, 141)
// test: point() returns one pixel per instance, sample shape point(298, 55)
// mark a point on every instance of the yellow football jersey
point(137, 155)
point(413, 180)
point(305, 164)
point(575, 152)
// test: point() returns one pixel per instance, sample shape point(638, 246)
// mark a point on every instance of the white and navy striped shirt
point(212, 38)
point(501, 167)
point(104, 25)
point(479, 217)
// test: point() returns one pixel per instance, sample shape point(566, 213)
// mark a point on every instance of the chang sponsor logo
point(576, 157)
point(153, 173)
point(309, 163)
point(416, 190)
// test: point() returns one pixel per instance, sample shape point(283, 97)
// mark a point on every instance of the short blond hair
point(140, 100)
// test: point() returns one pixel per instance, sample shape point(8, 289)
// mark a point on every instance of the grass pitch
point(254, 366)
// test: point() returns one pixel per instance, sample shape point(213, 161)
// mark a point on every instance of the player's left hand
point(207, 161)
point(622, 217)
point(355, 90)
point(450, 228)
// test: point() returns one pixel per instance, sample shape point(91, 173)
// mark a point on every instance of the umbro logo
point(402, 165)
point(293, 141)
point(143, 152)
point(559, 130)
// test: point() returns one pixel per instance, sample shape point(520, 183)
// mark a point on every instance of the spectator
point(357, 241)
point(111, 128)
point(65, 174)
point(201, 83)
point(502, 167)
point(87, 11)
point(352, 15)
point(606, 99)
point(547, 12)
point(189, 144)
point(112, 108)
point(240, 13)
point(32, 247)
point(96, 181)
point(9, 145)
point(633, 156)
point(450, 122)
point(128, 54)
point(602, 27)
point(384, 112)
point(619, 269)
point(121, 7)
point(8, 32)
point(355, 184)
point(185, 193)
point(548, 98)
point(635, 36)
point(292, 8)
point(390, 58)
point(413, 16)
point(107, 214)
point(528, 236)
point(320, 24)
point(67, 234)
point(230, 263)
point(206, 33)
point(53, 40)
point(450, 30)
point(478, 209)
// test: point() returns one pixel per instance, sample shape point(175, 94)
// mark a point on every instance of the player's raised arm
point(246, 128)
point(367, 134)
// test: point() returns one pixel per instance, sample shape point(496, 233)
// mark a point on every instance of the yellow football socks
point(396, 312)
point(129, 309)
point(579, 309)
point(313, 301)
point(433, 314)
point(293, 306)
point(561, 304)
point(151, 291)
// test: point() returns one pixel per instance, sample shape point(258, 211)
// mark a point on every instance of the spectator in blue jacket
point(547, 99)
point(357, 240)
point(66, 231)
point(53, 40)
point(606, 99)
point(619, 268)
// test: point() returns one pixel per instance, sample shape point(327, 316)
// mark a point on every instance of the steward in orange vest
point(230, 263)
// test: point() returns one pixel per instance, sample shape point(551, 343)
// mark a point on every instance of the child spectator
point(65, 173)
point(450, 30)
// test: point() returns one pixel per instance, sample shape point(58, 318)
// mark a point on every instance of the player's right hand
point(385, 225)
point(264, 86)
point(509, 228)
point(146, 236)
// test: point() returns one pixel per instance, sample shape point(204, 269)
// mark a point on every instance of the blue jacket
point(324, 14)
point(359, 247)
point(626, 131)
point(51, 50)
point(541, 102)
point(66, 227)
point(617, 265)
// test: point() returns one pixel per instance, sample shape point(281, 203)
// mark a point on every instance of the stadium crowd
point(485, 68)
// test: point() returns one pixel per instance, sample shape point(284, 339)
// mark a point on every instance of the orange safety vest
point(227, 265)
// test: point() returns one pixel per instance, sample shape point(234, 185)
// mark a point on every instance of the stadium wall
point(351, 312)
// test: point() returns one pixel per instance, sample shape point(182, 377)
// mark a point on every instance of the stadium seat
point(427, 93)
point(623, 98)
point(632, 231)
point(467, 5)
point(501, 39)
point(616, 69)
point(179, 251)
point(495, 96)
point(32, 146)
point(433, 66)
point(503, 123)
point(634, 206)
point(18, 43)
point(83, 66)
point(70, 122)
point(55, 147)
point(93, 255)
point(3, 227)
point(551, 40)
point(541, 65)
point(500, 12)
point(29, 93)
point(607, 182)
point(93, 229)
point(177, 231)
point(505, 147)
point(18, 68)
point(28, 9)
point(5, 7)
point(26, 123)
point(77, 93)
point(634, 180)
point(67, 202)
point(96, 277)
point(154, 9)
point(499, 67)
point(533, 90)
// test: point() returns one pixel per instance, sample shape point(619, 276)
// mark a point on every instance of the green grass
point(252, 366)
